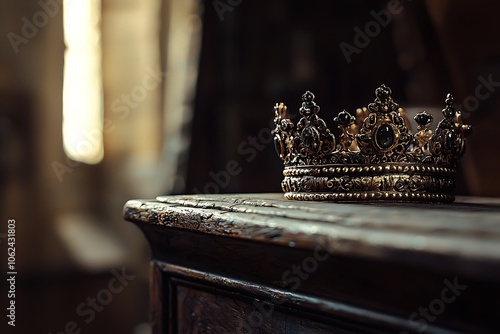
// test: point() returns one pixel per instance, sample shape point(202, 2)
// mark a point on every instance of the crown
point(375, 158)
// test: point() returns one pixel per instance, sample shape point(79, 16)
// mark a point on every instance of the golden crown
point(376, 157)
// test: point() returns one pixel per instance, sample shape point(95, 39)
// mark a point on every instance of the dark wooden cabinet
point(262, 264)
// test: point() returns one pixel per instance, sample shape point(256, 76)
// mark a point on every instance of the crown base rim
point(379, 168)
point(381, 183)
point(372, 197)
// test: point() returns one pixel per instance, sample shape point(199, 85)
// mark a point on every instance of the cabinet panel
point(216, 311)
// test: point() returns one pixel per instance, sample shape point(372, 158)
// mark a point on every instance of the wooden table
point(256, 263)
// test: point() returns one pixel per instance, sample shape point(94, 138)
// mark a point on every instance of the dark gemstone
point(384, 136)
point(423, 118)
point(308, 137)
point(449, 140)
point(344, 118)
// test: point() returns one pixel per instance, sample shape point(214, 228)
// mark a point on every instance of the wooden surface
point(381, 263)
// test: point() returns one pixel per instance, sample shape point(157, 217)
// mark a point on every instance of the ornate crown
point(376, 157)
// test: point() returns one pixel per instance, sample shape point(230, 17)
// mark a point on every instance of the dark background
point(267, 53)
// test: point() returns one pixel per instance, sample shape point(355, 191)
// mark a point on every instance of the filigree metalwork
point(313, 140)
point(377, 158)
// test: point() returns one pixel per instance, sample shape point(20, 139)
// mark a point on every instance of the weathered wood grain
point(384, 263)
point(201, 311)
point(157, 309)
point(468, 235)
point(239, 298)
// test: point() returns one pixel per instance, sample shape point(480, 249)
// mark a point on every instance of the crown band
point(377, 158)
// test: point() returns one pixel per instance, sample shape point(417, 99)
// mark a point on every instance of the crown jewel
point(375, 158)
